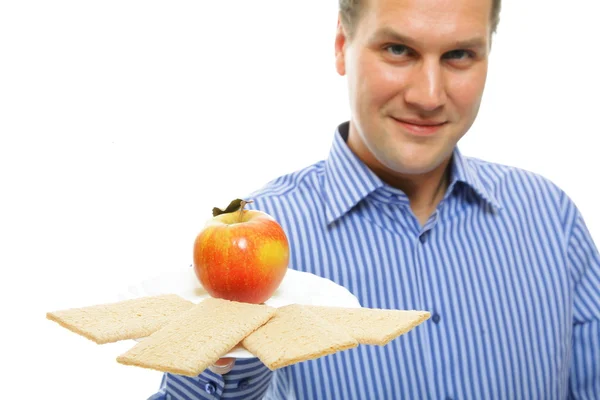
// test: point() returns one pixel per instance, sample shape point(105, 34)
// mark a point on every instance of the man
point(499, 256)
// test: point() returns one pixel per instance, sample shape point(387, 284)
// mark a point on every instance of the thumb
point(222, 366)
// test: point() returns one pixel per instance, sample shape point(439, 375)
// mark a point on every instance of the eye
point(459, 55)
point(397, 49)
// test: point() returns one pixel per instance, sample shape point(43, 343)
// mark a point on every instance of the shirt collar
point(348, 180)
point(466, 172)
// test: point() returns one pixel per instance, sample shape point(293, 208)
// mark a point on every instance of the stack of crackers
point(185, 338)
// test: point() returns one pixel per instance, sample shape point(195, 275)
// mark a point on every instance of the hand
point(222, 366)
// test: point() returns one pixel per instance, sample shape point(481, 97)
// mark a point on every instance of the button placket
point(210, 388)
point(426, 300)
point(243, 384)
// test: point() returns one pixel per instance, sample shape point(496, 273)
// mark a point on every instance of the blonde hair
point(350, 12)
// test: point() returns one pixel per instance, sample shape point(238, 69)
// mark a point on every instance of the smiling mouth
point(420, 128)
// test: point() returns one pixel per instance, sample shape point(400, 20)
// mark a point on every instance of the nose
point(426, 90)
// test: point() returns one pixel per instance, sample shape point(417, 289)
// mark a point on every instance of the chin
point(411, 165)
point(404, 168)
point(414, 170)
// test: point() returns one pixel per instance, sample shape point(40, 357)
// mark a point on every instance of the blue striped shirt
point(505, 265)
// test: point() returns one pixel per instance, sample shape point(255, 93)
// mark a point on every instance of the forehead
point(427, 20)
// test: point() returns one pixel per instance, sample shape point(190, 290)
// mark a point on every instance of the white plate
point(296, 288)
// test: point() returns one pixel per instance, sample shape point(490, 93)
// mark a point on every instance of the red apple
point(241, 255)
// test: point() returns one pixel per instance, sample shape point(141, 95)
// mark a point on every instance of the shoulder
point(514, 182)
point(290, 192)
point(525, 191)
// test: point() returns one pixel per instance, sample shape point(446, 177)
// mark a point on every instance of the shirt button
point(210, 388)
point(423, 238)
point(243, 384)
point(436, 318)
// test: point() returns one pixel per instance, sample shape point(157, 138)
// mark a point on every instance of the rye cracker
point(197, 338)
point(372, 325)
point(128, 319)
point(295, 334)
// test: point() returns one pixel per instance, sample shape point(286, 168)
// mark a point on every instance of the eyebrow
point(390, 34)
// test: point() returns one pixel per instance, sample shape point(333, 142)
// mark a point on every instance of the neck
point(424, 191)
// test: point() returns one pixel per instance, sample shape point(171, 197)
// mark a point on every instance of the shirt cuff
point(249, 379)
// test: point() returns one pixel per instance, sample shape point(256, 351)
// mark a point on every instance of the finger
point(222, 366)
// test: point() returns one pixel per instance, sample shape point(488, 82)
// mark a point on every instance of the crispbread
point(372, 325)
point(197, 338)
point(295, 334)
point(128, 319)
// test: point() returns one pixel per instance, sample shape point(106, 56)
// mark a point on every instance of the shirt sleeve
point(584, 260)
point(249, 379)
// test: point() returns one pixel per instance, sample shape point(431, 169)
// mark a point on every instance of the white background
point(124, 122)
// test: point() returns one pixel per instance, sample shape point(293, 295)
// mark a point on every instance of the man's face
point(416, 72)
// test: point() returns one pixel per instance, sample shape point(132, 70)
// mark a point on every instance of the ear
point(340, 48)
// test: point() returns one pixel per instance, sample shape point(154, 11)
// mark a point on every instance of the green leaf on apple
point(233, 206)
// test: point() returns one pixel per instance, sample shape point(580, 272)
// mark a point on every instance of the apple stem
point(242, 205)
